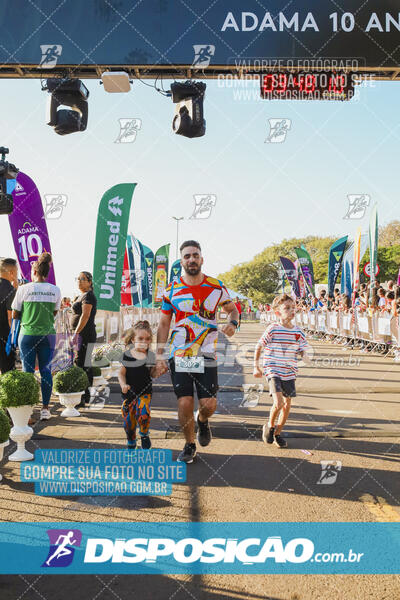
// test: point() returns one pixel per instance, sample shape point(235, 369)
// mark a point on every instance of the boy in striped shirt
point(282, 342)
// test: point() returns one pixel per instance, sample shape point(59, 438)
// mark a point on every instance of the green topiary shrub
point(18, 389)
point(5, 427)
point(96, 371)
point(70, 381)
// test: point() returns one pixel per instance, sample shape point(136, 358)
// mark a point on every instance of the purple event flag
point(28, 226)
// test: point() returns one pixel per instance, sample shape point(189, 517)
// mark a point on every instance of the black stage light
point(189, 115)
point(67, 92)
point(7, 171)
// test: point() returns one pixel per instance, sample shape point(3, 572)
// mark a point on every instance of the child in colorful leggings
point(138, 367)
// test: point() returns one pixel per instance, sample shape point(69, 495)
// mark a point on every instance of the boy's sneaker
point(146, 442)
point(131, 445)
point(280, 442)
point(45, 414)
point(188, 453)
point(203, 431)
point(268, 434)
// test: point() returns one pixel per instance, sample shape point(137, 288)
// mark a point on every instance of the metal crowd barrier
point(373, 329)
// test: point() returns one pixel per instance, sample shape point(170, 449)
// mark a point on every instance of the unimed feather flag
point(109, 252)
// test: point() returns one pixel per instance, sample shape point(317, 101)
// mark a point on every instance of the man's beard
point(193, 270)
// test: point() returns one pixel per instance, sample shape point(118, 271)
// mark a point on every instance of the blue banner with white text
point(220, 548)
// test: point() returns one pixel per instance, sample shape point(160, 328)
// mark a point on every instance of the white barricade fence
point(375, 329)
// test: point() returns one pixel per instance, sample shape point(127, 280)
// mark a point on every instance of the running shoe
point(146, 442)
point(203, 431)
point(45, 414)
point(188, 453)
point(280, 442)
point(131, 445)
point(268, 434)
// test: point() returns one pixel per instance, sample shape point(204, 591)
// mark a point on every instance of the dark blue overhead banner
point(200, 34)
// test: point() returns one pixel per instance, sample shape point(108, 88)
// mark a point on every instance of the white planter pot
point(21, 432)
point(70, 401)
point(115, 367)
point(106, 372)
point(2, 446)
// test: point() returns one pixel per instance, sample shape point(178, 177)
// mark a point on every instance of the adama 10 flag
point(28, 226)
point(109, 252)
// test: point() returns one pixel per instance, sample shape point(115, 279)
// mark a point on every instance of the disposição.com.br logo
point(62, 547)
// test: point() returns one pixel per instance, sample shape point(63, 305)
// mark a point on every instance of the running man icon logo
point(55, 203)
point(278, 129)
point(128, 129)
point(358, 204)
point(203, 205)
point(60, 551)
point(202, 55)
point(50, 54)
point(251, 394)
point(329, 471)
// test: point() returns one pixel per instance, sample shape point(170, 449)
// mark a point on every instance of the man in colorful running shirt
point(193, 301)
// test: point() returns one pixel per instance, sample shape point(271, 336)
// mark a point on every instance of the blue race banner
point(346, 282)
point(147, 266)
point(335, 262)
point(228, 31)
point(291, 274)
point(176, 271)
point(199, 548)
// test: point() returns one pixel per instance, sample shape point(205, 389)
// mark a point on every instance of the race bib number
point(189, 364)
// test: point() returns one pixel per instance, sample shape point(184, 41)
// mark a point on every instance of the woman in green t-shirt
point(36, 304)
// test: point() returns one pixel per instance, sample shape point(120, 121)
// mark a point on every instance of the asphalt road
point(347, 410)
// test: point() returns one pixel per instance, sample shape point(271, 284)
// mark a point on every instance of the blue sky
point(265, 192)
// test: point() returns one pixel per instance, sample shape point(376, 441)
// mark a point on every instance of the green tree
point(389, 235)
point(259, 277)
point(388, 261)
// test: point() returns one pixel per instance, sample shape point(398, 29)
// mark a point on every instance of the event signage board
point(28, 226)
point(221, 33)
point(147, 262)
point(204, 548)
point(160, 274)
point(111, 231)
point(306, 268)
point(291, 274)
point(176, 271)
point(336, 252)
point(367, 269)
